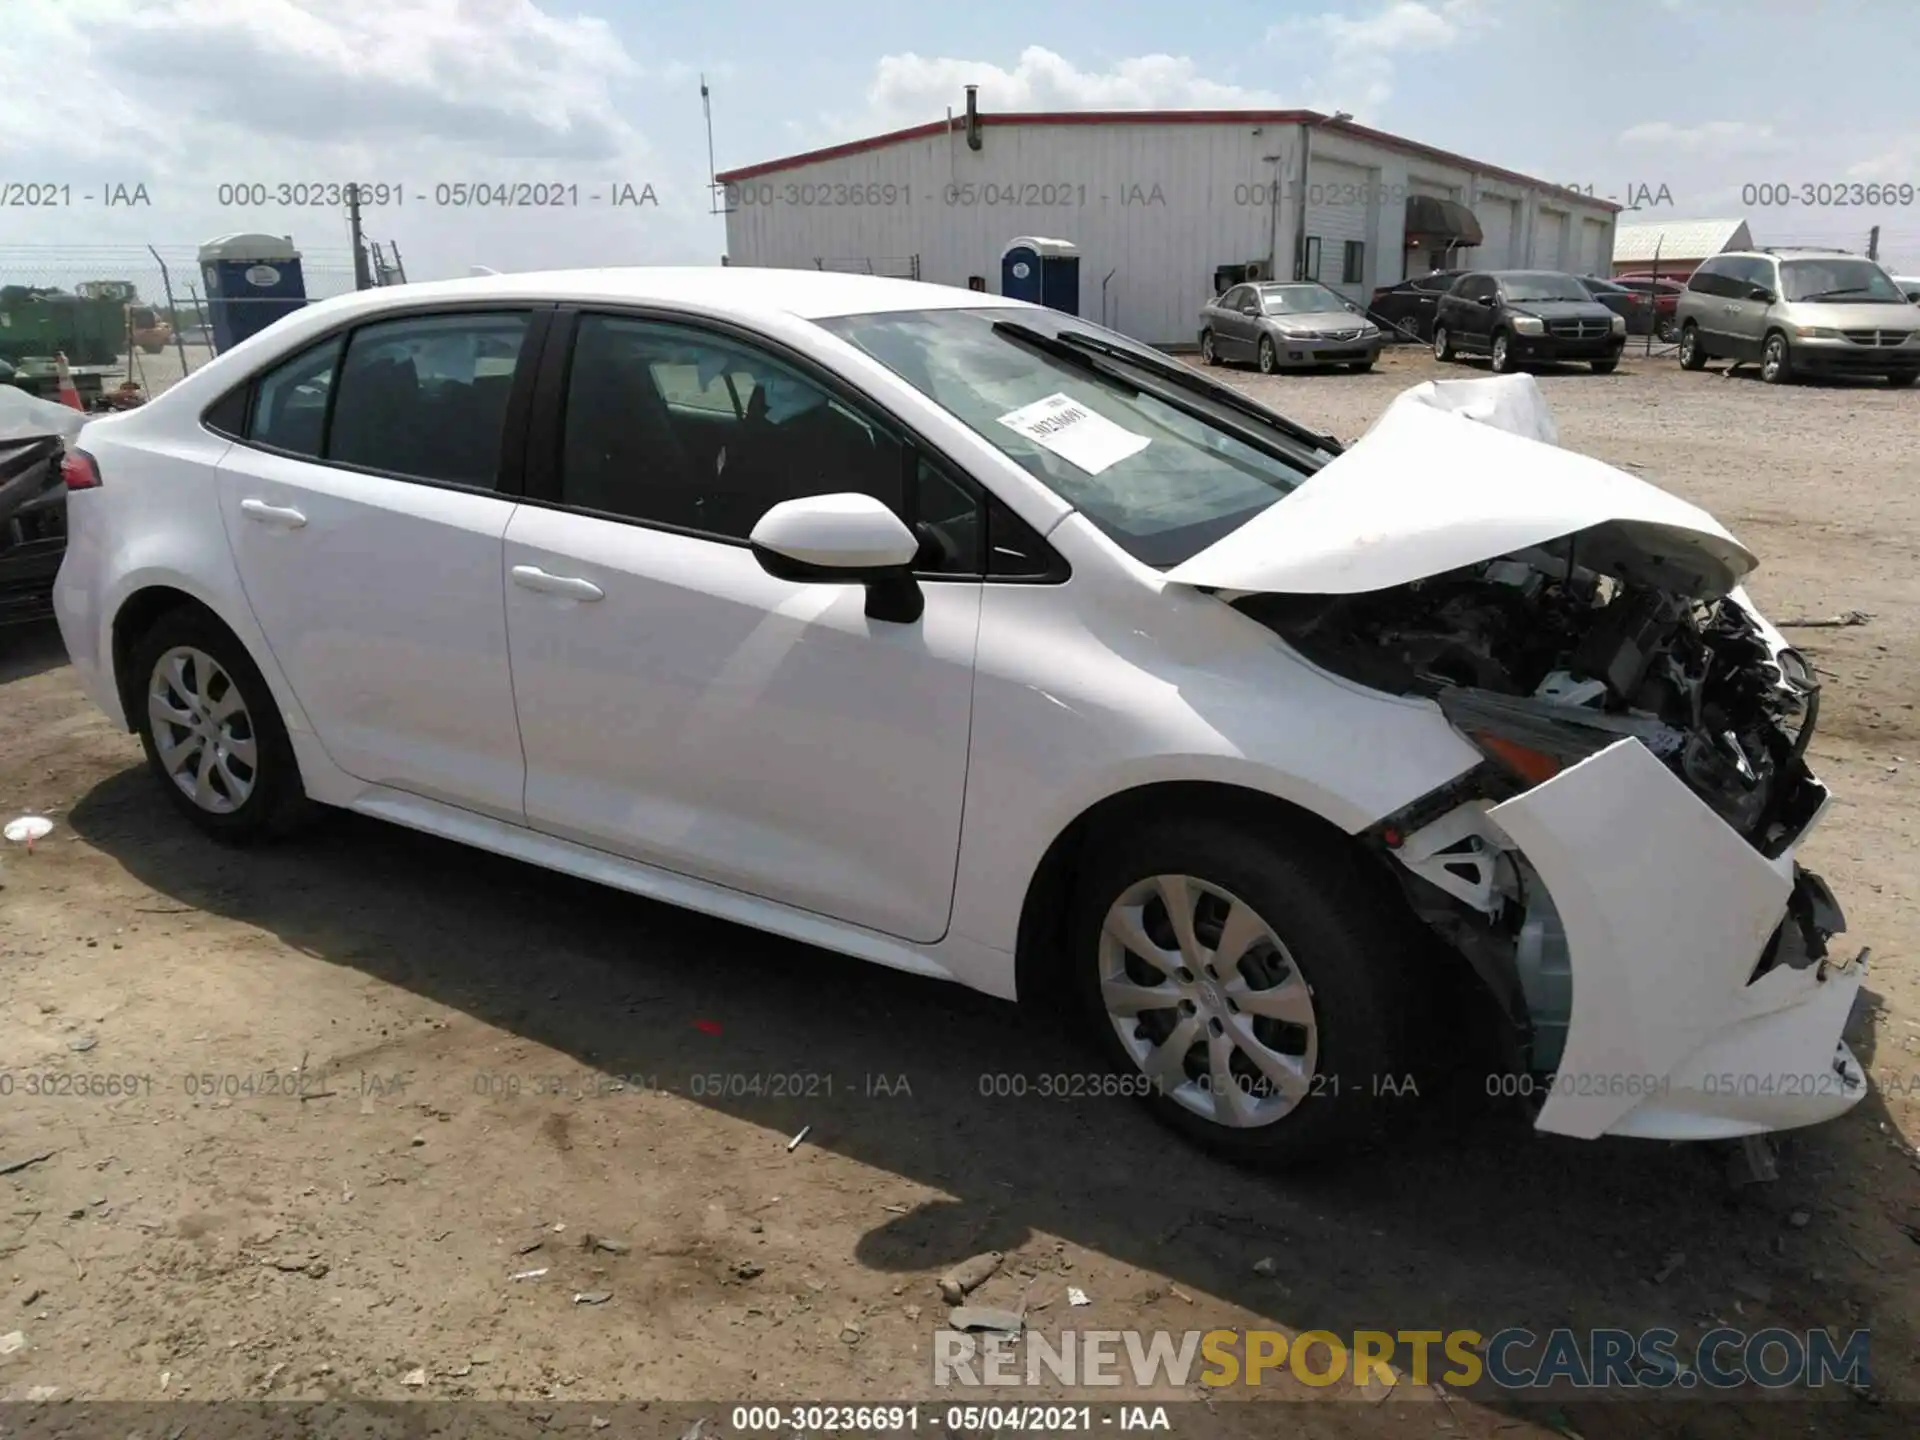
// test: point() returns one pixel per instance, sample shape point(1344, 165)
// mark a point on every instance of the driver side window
point(678, 427)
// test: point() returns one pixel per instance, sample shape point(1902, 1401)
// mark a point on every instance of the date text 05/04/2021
point(457, 194)
point(952, 1420)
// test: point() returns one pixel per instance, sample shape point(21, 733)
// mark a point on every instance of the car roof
point(720, 289)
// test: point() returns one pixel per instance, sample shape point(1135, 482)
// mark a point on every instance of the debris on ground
point(1264, 1266)
point(852, 1333)
point(749, 1269)
point(592, 1297)
point(14, 1167)
point(532, 1274)
point(605, 1243)
point(1800, 1219)
point(1846, 619)
point(1667, 1267)
point(968, 1275)
point(26, 829)
point(1077, 1296)
point(416, 1377)
point(794, 1143)
point(11, 1341)
point(985, 1317)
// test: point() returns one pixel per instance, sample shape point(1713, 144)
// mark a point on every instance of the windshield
point(1541, 285)
point(1855, 281)
point(1162, 483)
point(1300, 300)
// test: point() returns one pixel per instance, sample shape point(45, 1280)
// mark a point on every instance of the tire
point(1776, 361)
point(257, 793)
point(153, 349)
point(1663, 332)
point(1693, 354)
point(1322, 934)
point(1361, 367)
point(1208, 355)
point(1500, 353)
point(1269, 357)
point(1442, 344)
point(1903, 379)
point(1605, 367)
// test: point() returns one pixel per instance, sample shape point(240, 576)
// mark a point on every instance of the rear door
point(366, 510)
point(1711, 307)
point(1746, 322)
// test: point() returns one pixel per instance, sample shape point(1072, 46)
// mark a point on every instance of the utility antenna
point(717, 192)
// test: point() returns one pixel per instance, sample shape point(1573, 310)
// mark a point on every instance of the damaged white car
point(969, 638)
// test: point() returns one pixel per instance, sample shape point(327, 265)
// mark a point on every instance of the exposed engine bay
point(1542, 663)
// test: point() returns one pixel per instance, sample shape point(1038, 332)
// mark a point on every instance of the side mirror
point(1760, 293)
point(847, 539)
point(1914, 296)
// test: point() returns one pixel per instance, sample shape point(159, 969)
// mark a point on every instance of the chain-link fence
point(123, 313)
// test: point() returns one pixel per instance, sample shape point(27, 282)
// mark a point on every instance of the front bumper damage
point(1703, 1003)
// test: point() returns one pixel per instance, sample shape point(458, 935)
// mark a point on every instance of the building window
point(1353, 263)
point(1308, 266)
point(977, 282)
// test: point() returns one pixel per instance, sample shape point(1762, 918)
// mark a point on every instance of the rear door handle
point(282, 515)
point(532, 577)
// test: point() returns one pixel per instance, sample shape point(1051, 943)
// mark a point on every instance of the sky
point(133, 114)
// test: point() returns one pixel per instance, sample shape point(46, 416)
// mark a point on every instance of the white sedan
point(970, 638)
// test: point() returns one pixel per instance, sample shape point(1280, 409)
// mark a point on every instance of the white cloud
point(914, 89)
point(184, 95)
point(1341, 61)
point(1710, 138)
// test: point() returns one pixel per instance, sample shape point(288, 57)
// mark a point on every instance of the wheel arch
point(133, 620)
point(1039, 977)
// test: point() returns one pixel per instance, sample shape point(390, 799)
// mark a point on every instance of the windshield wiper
point(1829, 294)
point(1183, 376)
point(1092, 359)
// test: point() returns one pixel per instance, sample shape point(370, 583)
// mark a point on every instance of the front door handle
point(532, 577)
point(283, 515)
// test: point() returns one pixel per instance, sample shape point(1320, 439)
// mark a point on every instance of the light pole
point(1306, 155)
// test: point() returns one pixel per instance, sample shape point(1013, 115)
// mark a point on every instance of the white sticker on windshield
point(1075, 433)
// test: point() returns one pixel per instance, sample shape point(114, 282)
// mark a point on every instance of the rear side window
point(1711, 279)
point(290, 403)
point(426, 397)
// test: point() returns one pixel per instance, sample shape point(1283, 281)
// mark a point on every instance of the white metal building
point(1156, 202)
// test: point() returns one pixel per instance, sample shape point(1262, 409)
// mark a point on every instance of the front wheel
point(211, 731)
point(1502, 354)
point(1605, 367)
point(1776, 362)
point(1208, 354)
point(1693, 355)
point(1269, 357)
point(1663, 332)
point(1442, 343)
point(1247, 989)
point(1902, 380)
point(1361, 367)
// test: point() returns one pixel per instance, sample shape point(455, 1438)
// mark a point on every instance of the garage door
point(1496, 217)
point(1596, 255)
point(1341, 204)
point(1550, 241)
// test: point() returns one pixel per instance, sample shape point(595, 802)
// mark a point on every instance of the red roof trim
point(1160, 117)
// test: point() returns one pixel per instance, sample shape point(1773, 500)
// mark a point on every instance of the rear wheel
point(1269, 357)
point(1442, 343)
point(1247, 989)
point(1208, 355)
point(1605, 367)
point(1663, 331)
point(1776, 361)
point(1693, 355)
point(211, 730)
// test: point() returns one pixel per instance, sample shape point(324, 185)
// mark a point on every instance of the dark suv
point(1517, 316)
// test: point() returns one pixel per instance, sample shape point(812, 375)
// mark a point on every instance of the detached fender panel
point(1666, 911)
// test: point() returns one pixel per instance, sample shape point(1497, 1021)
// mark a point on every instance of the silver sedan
point(1288, 326)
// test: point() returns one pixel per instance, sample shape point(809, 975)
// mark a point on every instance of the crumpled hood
point(1456, 472)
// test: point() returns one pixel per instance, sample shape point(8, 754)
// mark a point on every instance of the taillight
point(79, 471)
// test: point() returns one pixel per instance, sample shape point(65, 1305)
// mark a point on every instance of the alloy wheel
point(1207, 353)
point(1269, 358)
point(202, 733)
point(1500, 353)
point(1207, 1001)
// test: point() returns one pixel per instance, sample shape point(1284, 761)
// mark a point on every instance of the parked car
point(1288, 327)
point(1665, 294)
point(33, 501)
point(1800, 312)
point(1909, 285)
point(1409, 307)
point(1630, 305)
point(971, 638)
point(1517, 316)
point(150, 333)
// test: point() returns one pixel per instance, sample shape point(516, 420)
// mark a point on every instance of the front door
point(368, 539)
point(684, 708)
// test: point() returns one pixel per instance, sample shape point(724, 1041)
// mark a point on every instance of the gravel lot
point(211, 1235)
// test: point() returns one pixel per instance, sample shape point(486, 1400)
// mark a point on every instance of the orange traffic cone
point(69, 392)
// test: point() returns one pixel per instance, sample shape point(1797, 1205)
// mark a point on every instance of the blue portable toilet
point(1045, 272)
point(251, 280)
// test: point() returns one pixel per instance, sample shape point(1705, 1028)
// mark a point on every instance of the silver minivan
point(1800, 312)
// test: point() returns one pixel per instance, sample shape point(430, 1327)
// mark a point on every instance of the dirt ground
point(315, 1108)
